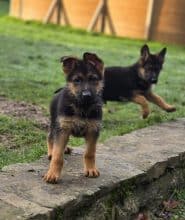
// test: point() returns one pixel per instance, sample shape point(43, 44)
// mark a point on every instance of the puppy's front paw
point(51, 177)
point(171, 109)
point(93, 172)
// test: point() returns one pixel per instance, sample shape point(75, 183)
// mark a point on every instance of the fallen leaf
point(170, 204)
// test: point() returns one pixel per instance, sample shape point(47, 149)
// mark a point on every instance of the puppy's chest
point(88, 112)
point(77, 126)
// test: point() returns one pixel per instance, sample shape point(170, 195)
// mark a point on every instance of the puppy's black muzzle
point(86, 94)
point(154, 80)
point(86, 97)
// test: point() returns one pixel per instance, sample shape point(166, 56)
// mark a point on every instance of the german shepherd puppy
point(76, 110)
point(134, 83)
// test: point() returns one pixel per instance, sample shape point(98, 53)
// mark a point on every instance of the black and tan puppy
point(76, 110)
point(134, 83)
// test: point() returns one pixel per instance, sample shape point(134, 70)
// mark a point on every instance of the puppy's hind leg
point(156, 99)
point(141, 100)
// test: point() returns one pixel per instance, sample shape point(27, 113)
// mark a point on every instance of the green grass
point(179, 212)
point(30, 71)
point(176, 212)
point(4, 7)
point(26, 141)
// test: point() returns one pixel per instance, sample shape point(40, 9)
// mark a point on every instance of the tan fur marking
point(57, 160)
point(99, 87)
point(139, 99)
point(65, 70)
point(142, 72)
point(90, 169)
point(73, 89)
point(102, 70)
point(156, 99)
point(138, 92)
point(70, 123)
point(77, 75)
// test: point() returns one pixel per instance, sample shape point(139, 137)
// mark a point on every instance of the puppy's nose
point(86, 93)
point(154, 80)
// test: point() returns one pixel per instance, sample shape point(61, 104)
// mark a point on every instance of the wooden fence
point(160, 20)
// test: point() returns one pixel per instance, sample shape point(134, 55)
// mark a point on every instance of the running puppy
point(134, 83)
point(76, 110)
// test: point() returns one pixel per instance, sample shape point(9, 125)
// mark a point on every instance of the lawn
point(4, 7)
point(179, 212)
point(30, 71)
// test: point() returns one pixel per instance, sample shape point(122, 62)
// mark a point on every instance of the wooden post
point(20, 8)
point(95, 17)
point(58, 6)
point(66, 20)
point(59, 11)
point(111, 25)
point(50, 11)
point(101, 12)
point(149, 18)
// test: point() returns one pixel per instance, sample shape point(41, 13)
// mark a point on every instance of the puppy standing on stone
point(76, 110)
point(134, 83)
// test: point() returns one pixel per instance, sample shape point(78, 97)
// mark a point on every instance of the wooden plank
point(21, 8)
point(14, 8)
point(168, 21)
point(59, 8)
point(103, 16)
point(50, 11)
point(80, 12)
point(128, 17)
point(149, 17)
point(96, 15)
point(102, 12)
point(111, 26)
point(66, 19)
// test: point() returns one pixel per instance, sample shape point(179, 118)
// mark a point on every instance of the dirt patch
point(23, 110)
point(7, 141)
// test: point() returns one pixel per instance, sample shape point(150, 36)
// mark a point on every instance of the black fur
point(134, 83)
point(67, 104)
point(76, 110)
point(121, 82)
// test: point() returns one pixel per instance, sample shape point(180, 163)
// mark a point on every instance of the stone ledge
point(133, 167)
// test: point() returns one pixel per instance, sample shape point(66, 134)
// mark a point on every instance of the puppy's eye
point(77, 80)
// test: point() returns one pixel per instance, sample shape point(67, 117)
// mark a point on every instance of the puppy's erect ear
point(94, 60)
point(145, 52)
point(68, 63)
point(161, 54)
